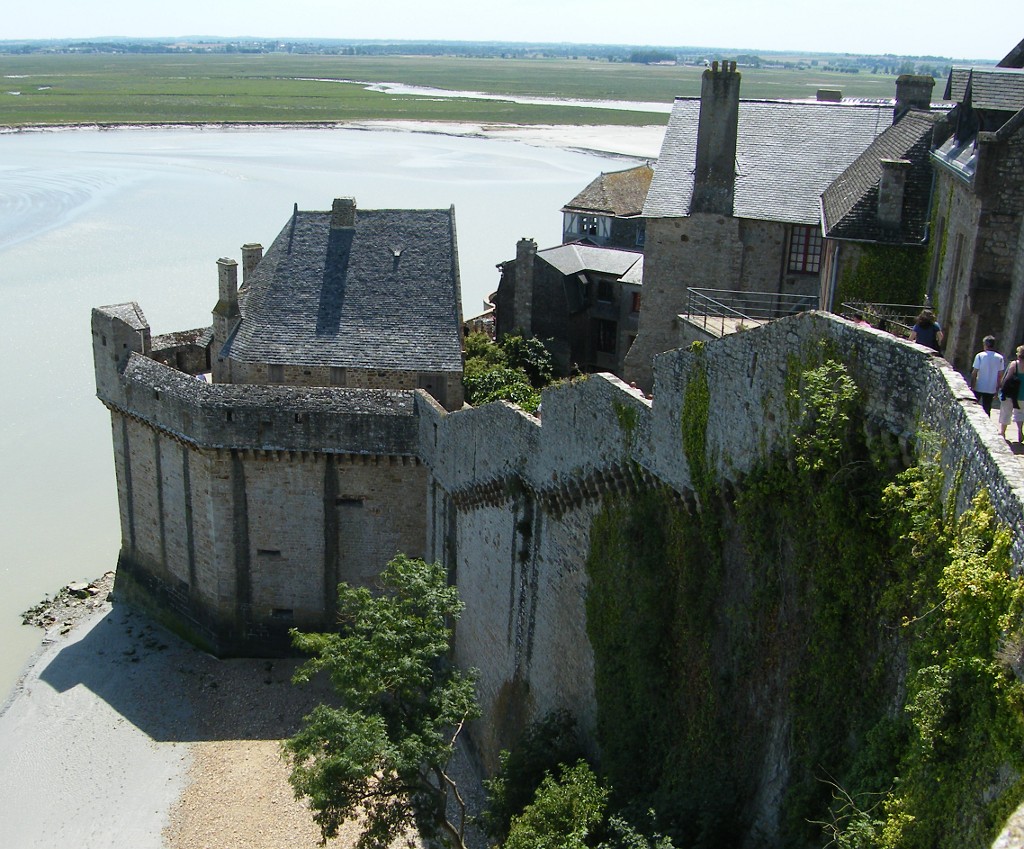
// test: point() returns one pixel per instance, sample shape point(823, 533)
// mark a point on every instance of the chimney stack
point(714, 180)
point(251, 255)
point(522, 308)
point(891, 187)
point(226, 316)
point(343, 213)
point(227, 287)
point(912, 91)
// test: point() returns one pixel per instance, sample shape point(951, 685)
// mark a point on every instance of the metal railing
point(898, 319)
point(724, 311)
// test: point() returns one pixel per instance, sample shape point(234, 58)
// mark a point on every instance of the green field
point(59, 89)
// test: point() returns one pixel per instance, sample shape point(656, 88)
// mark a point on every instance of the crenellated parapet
point(242, 506)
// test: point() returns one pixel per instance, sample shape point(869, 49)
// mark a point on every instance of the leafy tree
point(481, 348)
point(514, 370)
point(501, 384)
point(542, 750)
point(382, 752)
point(563, 814)
point(569, 812)
point(531, 355)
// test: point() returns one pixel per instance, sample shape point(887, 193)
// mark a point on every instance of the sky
point(950, 28)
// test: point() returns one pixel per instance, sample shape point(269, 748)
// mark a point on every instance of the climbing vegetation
point(885, 274)
point(827, 654)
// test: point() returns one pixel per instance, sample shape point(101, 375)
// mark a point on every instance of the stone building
point(609, 211)
point(976, 278)
point(365, 299)
point(244, 501)
point(735, 200)
point(883, 199)
point(582, 300)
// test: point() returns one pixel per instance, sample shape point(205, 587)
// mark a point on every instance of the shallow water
point(89, 218)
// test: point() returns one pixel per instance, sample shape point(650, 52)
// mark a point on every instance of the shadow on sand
point(174, 692)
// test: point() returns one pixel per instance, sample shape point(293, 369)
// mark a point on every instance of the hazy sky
point(952, 28)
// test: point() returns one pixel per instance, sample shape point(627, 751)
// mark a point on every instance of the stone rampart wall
point(242, 507)
point(513, 497)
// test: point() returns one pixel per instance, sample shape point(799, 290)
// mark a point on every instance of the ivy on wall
point(885, 275)
point(829, 656)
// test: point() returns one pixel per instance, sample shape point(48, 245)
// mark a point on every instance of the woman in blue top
point(927, 331)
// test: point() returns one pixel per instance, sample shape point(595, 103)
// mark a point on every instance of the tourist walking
point(1012, 394)
point(927, 331)
point(987, 373)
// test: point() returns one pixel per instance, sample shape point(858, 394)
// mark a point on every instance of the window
point(605, 292)
point(805, 249)
point(590, 226)
point(275, 373)
point(604, 336)
point(337, 376)
point(636, 302)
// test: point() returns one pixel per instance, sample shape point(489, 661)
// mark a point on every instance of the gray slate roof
point(342, 297)
point(130, 314)
point(787, 153)
point(577, 257)
point(850, 205)
point(999, 89)
point(620, 193)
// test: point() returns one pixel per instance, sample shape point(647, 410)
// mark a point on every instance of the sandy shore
point(637, 142)
point(614, 140)
point(119, 735)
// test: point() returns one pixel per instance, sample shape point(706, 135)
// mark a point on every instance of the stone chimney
point(522, 308)
point(225, 317)
point(343, 213)
point(251, 256)
point(714, 179)
point(912, 91)
point(891, 187)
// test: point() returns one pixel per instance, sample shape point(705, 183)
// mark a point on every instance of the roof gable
point(787, 153)
point(577, 257)
point(998, 89)
point(619, 193)
point(383, 294)
point(850, 204)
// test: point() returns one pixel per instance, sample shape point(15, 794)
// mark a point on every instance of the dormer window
point(578, 225)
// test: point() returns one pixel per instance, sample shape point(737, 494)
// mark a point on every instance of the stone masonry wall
point(513, 497)
point(243, 507)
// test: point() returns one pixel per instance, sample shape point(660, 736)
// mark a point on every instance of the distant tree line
point(936, 66)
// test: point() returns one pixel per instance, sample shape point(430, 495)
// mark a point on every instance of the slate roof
point(130, 314)
point(998, 89)
point(619, 193)
point(577, 257)
point(787, 153)
point(341, 297)
point(850, 204)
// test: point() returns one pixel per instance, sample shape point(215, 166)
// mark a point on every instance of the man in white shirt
point(987, 373)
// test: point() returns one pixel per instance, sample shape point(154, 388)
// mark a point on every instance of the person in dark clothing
point(927, 331)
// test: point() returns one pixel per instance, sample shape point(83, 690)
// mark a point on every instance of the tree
point(515, 370)
point(543, 749)
point(569, 812)
point(564, 813)
point(383, 751)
